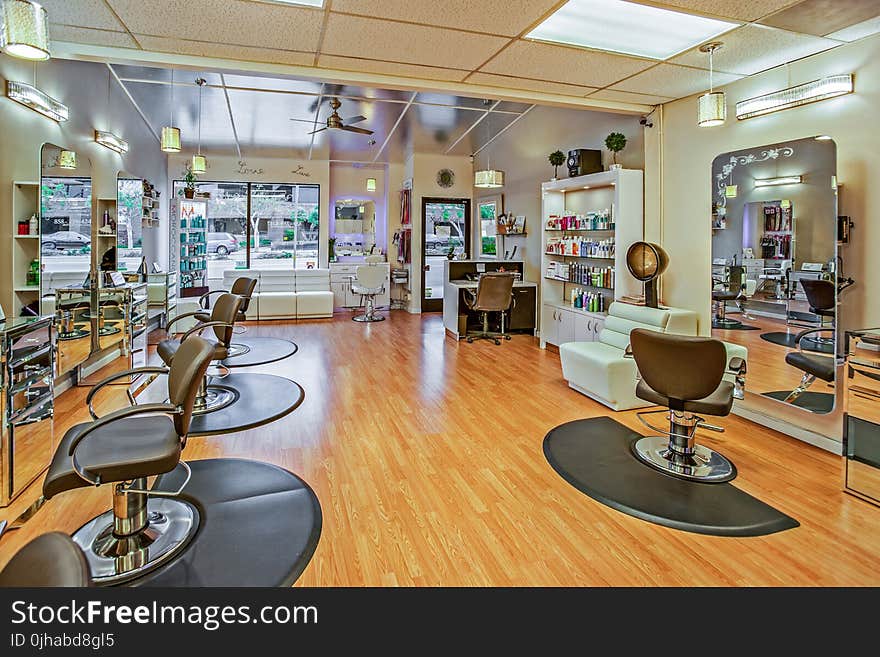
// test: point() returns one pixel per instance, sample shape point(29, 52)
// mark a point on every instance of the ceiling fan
point(333, 121)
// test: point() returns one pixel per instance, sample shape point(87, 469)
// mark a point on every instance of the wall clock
point(445, 178)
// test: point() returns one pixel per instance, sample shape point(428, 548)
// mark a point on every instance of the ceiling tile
point(433, 46)
point(390, 68)
point(230, 22)
point(857, 31)
point(92, 37)
point(509, 82)
point(226, 51)
point(543, 61)
point(744, 10)
point(628, 97)
point(821, 17)
point(509, 17)
point(755, 48)
point(674, 81)
point(84, 13)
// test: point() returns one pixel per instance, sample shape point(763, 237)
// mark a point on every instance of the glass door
point(446, 236)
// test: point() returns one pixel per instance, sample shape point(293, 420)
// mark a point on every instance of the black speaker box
point(583, 161)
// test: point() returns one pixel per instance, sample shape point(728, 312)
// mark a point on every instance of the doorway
point(446, 230)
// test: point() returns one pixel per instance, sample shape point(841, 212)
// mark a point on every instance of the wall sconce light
point(111, 141)
point(371, 184)
point(66, 160)
point(37, 100)
point(803, 94)
point(24, 30)
point(775, 182)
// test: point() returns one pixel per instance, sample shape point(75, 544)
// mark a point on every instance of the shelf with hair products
point(588, 222)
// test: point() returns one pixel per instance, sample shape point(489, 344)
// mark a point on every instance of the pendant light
point(170, 134)
point(200, 162)
point(713, 104)
point(24, 30)
point(66, 159)
point(105, 137)
point(488, 178)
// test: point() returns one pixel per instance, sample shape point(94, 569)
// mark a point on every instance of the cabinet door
point(549, 324)
point(352, 300)
point(598, 325)
point(338, 289)
point(583, 328)
point(567, 326)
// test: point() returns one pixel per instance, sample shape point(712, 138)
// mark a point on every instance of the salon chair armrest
point(153, 369)
point(206, 297)
point(628, 352)
point(737, 365)
point(806, 332)
point(198, 328)
point(183, 316)
point(470, 297)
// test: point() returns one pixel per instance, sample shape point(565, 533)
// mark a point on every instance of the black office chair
point(733, 290)
point(144, 528)
point(812, 365)
point(494, 294)
point(821, 295)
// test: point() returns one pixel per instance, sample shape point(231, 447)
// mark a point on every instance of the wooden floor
point(426, 456)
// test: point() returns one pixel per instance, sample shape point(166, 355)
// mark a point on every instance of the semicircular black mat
point(261, 350)
point(788, 340)
point(594, 456)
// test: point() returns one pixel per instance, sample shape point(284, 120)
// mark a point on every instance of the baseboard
point(811, 437)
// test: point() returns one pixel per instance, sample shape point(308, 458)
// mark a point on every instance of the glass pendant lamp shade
point(712, 109)
point(67, 160)
point(171, 139)
point(199, 164)
point(489, 178)
point(24, 30)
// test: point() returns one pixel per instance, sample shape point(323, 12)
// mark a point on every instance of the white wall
point(83, 87)
point(349, 181)
point(681, 216)
point(522, 152)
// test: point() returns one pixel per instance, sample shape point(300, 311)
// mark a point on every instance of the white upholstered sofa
point(287, 293)
point(600, 370)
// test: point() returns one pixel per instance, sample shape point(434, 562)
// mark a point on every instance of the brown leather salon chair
point(50, 560)
point(494, 294)
point(243, 287)
point(222, 320)
point(813, 365)
point(684, 374)
point(144, 528)
point(733, 290)
point(822, 297)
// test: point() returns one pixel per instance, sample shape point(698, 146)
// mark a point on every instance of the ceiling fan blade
point(355, 119)
point(318, 130)
point(351, 128)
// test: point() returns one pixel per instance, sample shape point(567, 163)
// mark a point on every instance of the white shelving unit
point(619, 192)
point(16, 290)
point(188, 245)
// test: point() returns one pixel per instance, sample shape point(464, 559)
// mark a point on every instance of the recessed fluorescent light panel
point(37, 100)
point(775, 182)
point(803, 94)
point(628, 28)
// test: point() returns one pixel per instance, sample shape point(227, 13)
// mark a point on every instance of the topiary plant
point(557, 159)
point(615, 142)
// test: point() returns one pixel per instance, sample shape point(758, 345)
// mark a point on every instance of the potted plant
point(332, 249)
point(557, 159)
point(615, 142)
point(189, 178)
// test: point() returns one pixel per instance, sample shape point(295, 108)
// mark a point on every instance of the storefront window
point(129, 210)
point(66, 223)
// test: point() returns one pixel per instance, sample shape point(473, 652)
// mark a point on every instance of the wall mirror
point(355, 228)
point(129, 221)
point(489, 208)
point(65, 258)
point(775, 271)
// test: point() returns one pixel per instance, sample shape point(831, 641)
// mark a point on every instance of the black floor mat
point(817, 402)
point(594, 456)
point(261, 350)
point(787, 340)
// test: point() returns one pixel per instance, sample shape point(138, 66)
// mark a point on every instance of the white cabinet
point(549, 325)
point(567, 321)
point(561, 324)
point(340, 283)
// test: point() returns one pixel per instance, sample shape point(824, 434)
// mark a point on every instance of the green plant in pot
point(615, 142)
point(557, 159)
point(189, 179)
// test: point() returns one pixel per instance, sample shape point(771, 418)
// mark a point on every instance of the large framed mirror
point(65, 258)
point(776, 275)
point(129, 222)
point(354, 230)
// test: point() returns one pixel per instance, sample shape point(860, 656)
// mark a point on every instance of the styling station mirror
point(355, 229)
point(129, 224)
point(66, 250)
point(775, 271)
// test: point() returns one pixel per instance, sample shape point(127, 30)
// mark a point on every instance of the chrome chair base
point(237, 349)
point(719, 323)
point(702, 464)
point(215, 398)
point(368, 318)
point(117, 559)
